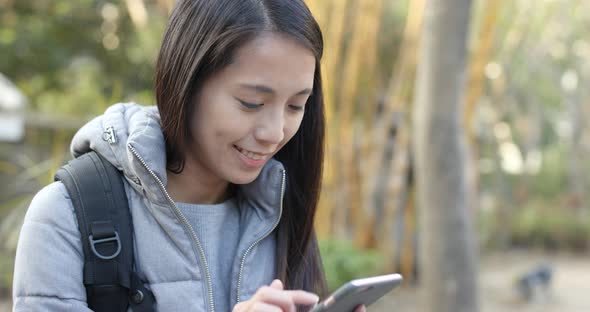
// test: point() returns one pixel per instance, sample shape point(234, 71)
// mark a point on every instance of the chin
point(244, 178)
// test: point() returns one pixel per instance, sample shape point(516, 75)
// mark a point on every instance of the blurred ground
point(570, 288)
point(569, 292)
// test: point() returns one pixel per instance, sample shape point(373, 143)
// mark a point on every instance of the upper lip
point(255, 152)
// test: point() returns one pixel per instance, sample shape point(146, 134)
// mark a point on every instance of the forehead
point(275, 60)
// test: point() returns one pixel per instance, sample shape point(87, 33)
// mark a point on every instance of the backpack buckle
point(93, 243)
point(105, 232)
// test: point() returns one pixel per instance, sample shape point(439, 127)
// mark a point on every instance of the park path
point(569, 290)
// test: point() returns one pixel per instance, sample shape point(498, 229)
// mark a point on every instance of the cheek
point(207, 134)
point(215, 134)
point(217, 120)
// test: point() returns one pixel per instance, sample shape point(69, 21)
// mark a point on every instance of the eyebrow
point(269, 90)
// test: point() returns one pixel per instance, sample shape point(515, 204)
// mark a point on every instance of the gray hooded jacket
point(49, 258)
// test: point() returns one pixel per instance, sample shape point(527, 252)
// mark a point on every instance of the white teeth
point(249, 154)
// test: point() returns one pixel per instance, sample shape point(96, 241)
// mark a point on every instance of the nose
point(271, 127)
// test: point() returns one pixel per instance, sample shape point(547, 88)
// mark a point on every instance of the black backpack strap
point(98, 195)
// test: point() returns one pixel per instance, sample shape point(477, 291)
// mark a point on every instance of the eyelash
point(297, 108)
point(253, 106)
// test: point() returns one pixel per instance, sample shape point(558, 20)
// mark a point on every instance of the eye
point(251, 106)
point(297, 108)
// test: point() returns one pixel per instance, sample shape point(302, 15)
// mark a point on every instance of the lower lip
point(249, 161)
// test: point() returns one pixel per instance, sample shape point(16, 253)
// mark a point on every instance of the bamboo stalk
point(368, 110)
point(360, 65)
point(137, 12)
point(397, 99)
point(351, 183)
point(474, 90)
point(367, 238)
point(317, 9)
point(406, 64)
point(334, 38)
point(395, 193)
point(402, 71)
point(480, 58)
point(369, 83)
point(408, 250)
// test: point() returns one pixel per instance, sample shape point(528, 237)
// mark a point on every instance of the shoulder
point(49, 245)
point(51, 218)
point(51, 205)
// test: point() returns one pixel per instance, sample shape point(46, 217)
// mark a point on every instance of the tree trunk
point(447, 240)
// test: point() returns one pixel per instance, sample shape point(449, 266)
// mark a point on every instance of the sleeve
point(49, 259)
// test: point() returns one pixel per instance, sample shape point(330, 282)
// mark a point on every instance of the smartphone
point(356, 292)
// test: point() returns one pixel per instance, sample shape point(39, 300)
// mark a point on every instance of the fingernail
point(315, 297)
point(310, 296)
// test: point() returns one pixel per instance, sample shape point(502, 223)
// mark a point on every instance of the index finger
point(302, 297)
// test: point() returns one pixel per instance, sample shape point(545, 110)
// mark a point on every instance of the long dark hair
point(201, 38)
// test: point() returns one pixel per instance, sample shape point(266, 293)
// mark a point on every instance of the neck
point(194, 187)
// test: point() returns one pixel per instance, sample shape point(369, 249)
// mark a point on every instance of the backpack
point(97, 192)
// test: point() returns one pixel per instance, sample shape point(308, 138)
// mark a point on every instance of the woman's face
point(246, 112)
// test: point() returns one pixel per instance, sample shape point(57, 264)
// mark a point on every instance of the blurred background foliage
point(77, 57)
point(344, 262)
point(526, 116)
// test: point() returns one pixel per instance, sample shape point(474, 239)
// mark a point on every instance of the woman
point(222, 178)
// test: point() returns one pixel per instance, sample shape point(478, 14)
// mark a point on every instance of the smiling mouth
point(250, 154)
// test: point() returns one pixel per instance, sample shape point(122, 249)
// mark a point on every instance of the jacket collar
point(130, 137)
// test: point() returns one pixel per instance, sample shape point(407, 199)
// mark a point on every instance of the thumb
point(277, 284)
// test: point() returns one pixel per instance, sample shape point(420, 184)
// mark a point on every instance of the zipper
point(261, 238)
point(186, 225)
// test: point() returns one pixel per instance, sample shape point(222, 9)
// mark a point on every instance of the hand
point(274, 298)
point(360, 308)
